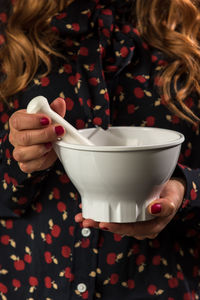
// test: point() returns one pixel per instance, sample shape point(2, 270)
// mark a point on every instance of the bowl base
point(128, 212)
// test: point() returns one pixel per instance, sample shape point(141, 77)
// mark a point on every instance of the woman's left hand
point(164, 209)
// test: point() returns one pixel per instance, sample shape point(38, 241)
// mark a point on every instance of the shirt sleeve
point(189, 212)
point(192, 196)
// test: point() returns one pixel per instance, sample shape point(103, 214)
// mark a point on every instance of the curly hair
point(172, 26)
point(29, 42)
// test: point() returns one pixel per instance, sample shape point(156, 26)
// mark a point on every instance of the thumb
point(59, 106)
point(171, 198)
point(162, 207)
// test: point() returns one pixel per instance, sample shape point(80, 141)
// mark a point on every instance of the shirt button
point(81, 287)
point(86, 232)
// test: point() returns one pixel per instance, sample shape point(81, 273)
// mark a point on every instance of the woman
point(105, 63)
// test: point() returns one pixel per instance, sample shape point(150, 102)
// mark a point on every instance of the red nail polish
point(48, 145)
point(44, 121)
point(59, 130)
point(156, 208)
point(105, 228)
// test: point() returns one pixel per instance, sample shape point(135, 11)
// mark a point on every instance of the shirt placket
point(84, 264)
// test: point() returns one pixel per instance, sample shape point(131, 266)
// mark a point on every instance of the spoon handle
point(40, 105)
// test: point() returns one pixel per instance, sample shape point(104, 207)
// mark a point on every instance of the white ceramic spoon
point(40, 105)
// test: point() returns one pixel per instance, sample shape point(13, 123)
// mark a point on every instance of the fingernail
point(48, 145)
point(105, 228)
point(59, 130)
point(44, 121)
point(156, 208)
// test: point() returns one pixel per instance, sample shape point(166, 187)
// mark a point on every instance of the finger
point(140, 238)
point(20, 120)
point(59, 106)
point(40, 164)
point(152, 236)
point(86, 222)
point(39, 136)
point(137, 229)
point(162, 207)
point(24, 154)
point(119, 228)
point(90, 223)
point(149, 229)
point(79, 218)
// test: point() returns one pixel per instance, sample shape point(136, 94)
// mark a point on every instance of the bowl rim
point(175, 142)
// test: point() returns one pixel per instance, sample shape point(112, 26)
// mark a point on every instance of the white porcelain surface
point(117, 178)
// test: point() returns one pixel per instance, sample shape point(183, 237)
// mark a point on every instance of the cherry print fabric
point(110, 77)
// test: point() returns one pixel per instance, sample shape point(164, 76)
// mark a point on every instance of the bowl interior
point(128, 138)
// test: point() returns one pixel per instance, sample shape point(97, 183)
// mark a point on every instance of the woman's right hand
point(32, 136)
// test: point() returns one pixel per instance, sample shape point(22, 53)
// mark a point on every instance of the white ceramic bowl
point(118, 178)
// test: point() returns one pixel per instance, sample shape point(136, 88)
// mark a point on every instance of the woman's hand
point(164, 209)
point(32, 136)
